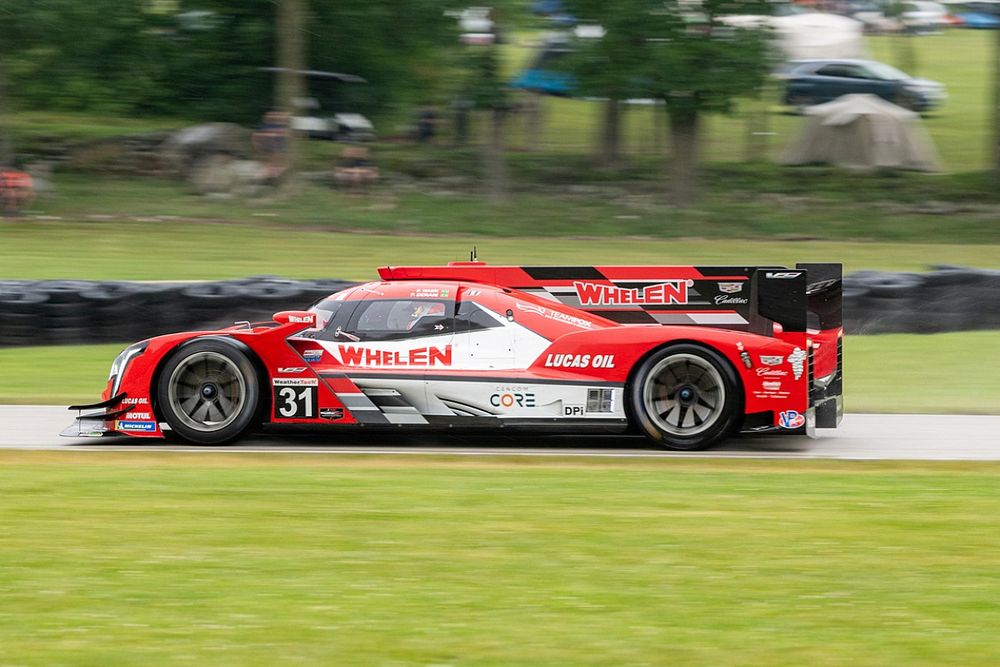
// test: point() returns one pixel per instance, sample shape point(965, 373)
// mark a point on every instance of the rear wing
point(742, 298)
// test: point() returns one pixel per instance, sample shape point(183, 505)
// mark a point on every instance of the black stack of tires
point(79, 311)
point(949, 298)
point(48, 312)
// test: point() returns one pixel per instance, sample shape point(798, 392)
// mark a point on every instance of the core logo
point(509, 400)
point(580, 361)
point(666, 293)
point(791, 419)
point(782, 275)
point(351, 355)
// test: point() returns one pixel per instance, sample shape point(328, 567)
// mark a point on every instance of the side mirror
point(295, 317)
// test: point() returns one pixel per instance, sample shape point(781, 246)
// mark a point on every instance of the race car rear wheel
point(208, 392)
point(685, 397)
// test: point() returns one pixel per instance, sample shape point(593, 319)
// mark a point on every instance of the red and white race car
point(683, 354)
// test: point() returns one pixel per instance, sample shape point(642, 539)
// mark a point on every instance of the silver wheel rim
point(206, 391)
point(684, 395)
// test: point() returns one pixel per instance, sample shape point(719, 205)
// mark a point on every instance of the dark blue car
point(811, 82)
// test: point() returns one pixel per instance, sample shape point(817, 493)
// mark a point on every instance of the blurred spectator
point(355, 173)
point(460, 109)
point(427, 122)
point(16, 190)
point(271, 143)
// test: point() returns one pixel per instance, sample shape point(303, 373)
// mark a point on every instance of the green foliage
point(614, 65)
point(705, 65)
point(483, 85)
point(200, 58)
point(673, 51)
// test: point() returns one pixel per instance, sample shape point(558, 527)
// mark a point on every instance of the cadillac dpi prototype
point(685, 355)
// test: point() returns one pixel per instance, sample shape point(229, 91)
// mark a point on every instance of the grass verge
point(740, 202)
point(258, 560)
point(171, 250)
point(896, 373)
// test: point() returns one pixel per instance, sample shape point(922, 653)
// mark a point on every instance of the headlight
point(121, 362)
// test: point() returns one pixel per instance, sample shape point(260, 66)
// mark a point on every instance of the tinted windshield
point(325, 310)
point(887, 72)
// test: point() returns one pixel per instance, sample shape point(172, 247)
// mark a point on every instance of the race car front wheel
point(208, 392)
point(685, 396)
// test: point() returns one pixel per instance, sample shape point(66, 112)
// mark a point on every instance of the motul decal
point(351, 355)
point(670, 292)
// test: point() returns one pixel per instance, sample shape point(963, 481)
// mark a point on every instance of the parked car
point(979, 21)
point(922, 17)
point(811, 82)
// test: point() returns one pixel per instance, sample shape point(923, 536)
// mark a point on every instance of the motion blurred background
point(168, 164)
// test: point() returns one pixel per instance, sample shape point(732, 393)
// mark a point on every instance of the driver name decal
point(661, 294)
point(352, 355)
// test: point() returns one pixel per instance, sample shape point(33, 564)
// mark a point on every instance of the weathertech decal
point(662, 294)
point(351, 355)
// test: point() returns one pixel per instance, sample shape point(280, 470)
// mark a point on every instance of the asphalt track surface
point(860, 436)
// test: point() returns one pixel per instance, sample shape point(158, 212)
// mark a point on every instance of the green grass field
point(145, 558)
point(889, 373)
point(172, 250)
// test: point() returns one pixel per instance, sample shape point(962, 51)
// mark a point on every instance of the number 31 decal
point(295, 401)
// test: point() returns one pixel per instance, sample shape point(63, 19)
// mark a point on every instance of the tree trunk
point(660, 130)
point(291, 58)
point(494, 162)
point(534, 121)
point(995, 157)
point(684, 128)
point(757, 130)
point(6, 149)
point(610, 139)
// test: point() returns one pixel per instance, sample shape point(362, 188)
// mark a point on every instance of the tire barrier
point(52, 312)
point(950, 298)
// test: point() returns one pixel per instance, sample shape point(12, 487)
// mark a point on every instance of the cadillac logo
point(730, 288)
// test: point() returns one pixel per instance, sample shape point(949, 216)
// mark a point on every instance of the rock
point(187, 147)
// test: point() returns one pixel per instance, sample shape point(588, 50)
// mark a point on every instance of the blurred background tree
point(487, 92)
point(697, 64)
point(200, 59)
point(611, 66)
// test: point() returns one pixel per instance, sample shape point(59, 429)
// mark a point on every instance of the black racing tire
point(684, 383)
point(208, 391)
